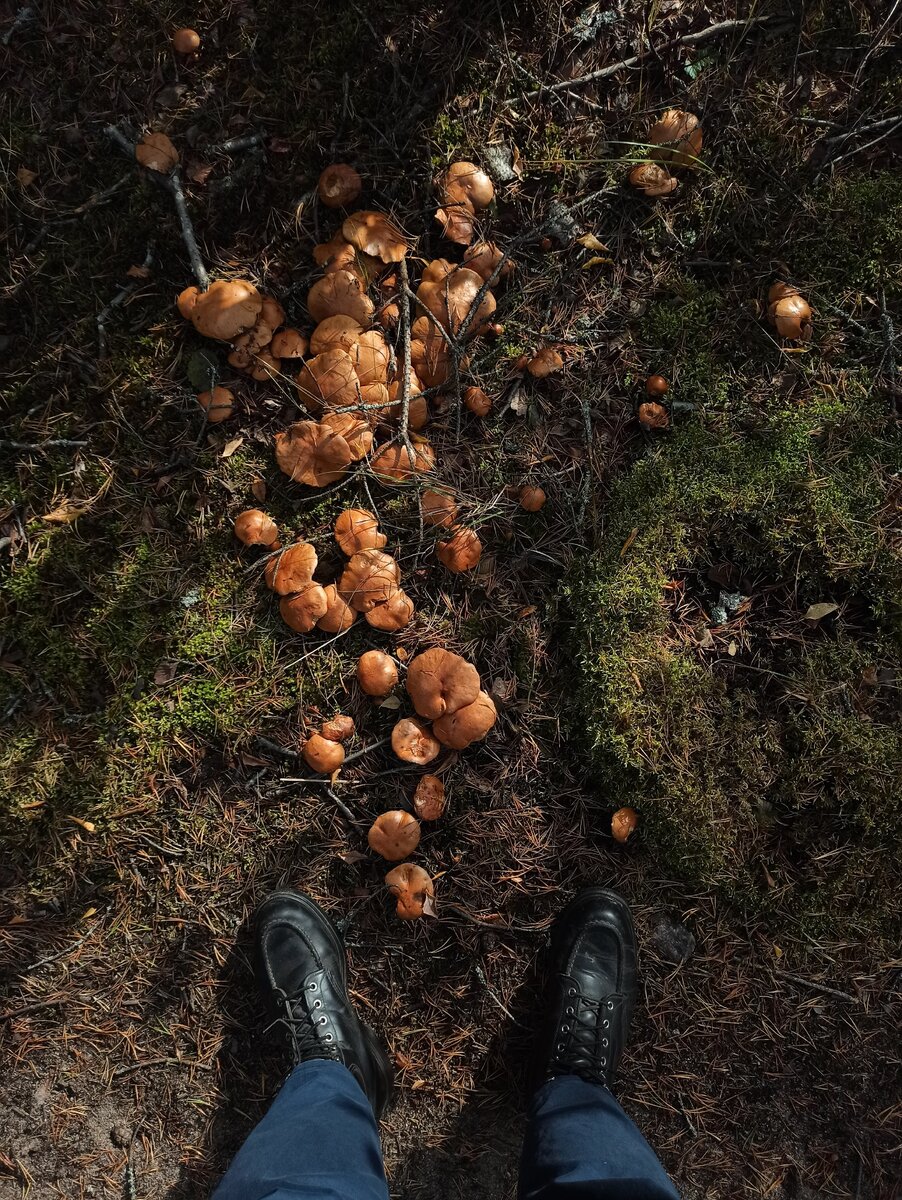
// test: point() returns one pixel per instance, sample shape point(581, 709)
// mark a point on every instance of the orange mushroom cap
point(226, 309)
point(531, 498)
point(462, 551)
point(377, 673)
point(393, 462)
point(288, 343)
point(339, 185)
point(322, 755)
point(218, 404)
point(465, 725)
point(339, 332)
point(370, 578)
point(789, 312)
point(357, 529)
point(465, 183)
point(371, 357)
point(429, 798)
point(476, 400)
point(185, 41)
point(484, 257)
point(292, 569)
point(440, 682)
point(374, 233)
point(652, 179)
point(438, 508)
point(340, 292)
point(186, 301)
point(411, 886)
point(156, 152)
point(254, 528)
point(623, 822)
point(677, 138)
point(657, 385)
point(328, 381)
point(544, 362)
point(302, 610)
point(394, 835)
point(456, 223)
point(412, 741)
point(393, 615)
point(653, 415)
point(311, 452)
point(339, 616)
point(338, 729)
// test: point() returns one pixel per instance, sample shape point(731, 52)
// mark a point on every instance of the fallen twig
point(118, 300)
point(46, 445)
point(816, 987)
point(188, 235)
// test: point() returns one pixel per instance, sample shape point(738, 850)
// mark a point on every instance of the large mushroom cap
point(218, 404)
point(477, 401)
point(450, 300)
point(323, 755)
point(339, 616)
point(356, 530)
point(456, 223)
point(377, 673)
point(328, 381)
point(544, 362)
point(335, 333)
point(465, 183)
point(441, 682)
point(156, 152)
point(396, 613)
point(652, 179)
point(462, 551)
point(340, 292)
point(429, 798)
point(623, 822)
point(469, 724)
point(412, 741)
point(484, 257)
point(339, 185)
point(371, 357)
point(301, 611)
point(254, 528)
point(677, 138)
point(438, 508)
point(226, 309)
point(186, 301)
point(393, 462)
point(292, 570)
point(312, 453)
point(288, 343)
point(657, 385)
point(374, 233)
point(412, 887)
point(370, 578)
point(790, 313)
point(355, 431)
point(394, 835)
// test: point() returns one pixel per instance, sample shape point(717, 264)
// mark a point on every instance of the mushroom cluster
point(652, 413)
point(675, 142)
point(324, 751)
point(445, 690)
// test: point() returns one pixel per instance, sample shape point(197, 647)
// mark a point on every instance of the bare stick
point(48, 444)
point(188, 235)
point(404, 307)
point(236, 144)
point(818, 987)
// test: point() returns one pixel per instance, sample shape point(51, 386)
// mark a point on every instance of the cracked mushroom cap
point(429, 798)
point(327, 381)
point(469, 724)
point(394, 834)
point(531, 498)
point(456, 223)
point(374, 233)
point(462, 551)
point(393, 463)
point(677, 138)
point(254, 528)
point(288, 343)
point(412, 887)
point(412, 741)
point(395, 614)
point(355, 431)
point(653, 415)
point(377, 673)
point(544, 362)
point(339, 615)
point(484, 257)
point(371, 357)
point(338, 729)
point(292, 570)
point(370, 578)
point(476, 400)
point(450, 301)
point(340, 292)
point(185, 41)
point(339, 185)
point(301, 611)
point(335, 333)
point(322, 755)
point(156, 152)
point(356, 530)
point(226, 309)
point(652, 179)
point(218, 404)
point(623, 822)
point(789, 312)
point(441, 682)
point(465, 183)
point(311, 453)
point(438, 508)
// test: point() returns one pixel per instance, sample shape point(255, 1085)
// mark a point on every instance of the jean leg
point(581, 1145)
point(319, 1141)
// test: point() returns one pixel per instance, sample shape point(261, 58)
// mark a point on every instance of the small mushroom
point(227, 308)
point(254, 528)
point(677, 138)
point(653, 415)
point(356, 530)
point(218, 404)
point(288, 343)
point(462, 551)
point(322, 755)
point(476, 400)
point(412, 741)
point(456, 223)
point(531, 498)
point(429, 798)
point(377, 673)
point(544, 362)
point(186, 301)
point(186, 41)
point(393, 462)
point(623, 822)
point(272, 313)
point(438, 508)
point(292, 570)
point(156, 152)
point(412, 887)
point(339, 332)
point(370, 578)
point(465, 183)
point(465, 725)
point(339, 185)
point(341, 292)
point(310, 452)
point(657, 385)
point(339, 616)
point(653, 180)
point(484, 257)
point(394, 835)
point(338, 729)
point(451, 299)
point(441, 682)
point(393, 615)
point(789, 312)
point(429, 353)
point(301, 611)
point(374, 233)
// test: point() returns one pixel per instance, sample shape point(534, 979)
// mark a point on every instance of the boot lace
point(583, 1045)
point(302, 1020)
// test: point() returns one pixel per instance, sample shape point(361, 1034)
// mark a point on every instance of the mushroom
point(462, 551)
point(335, 333)
point(484, 258)
point(441, 682)
point(412, 887)
point(465, 183)
point(340, 292)
point(353, 429)
point(288, 343)
point(186, 301)
point(218, 404)
point(377, 673)
point(468, 724)
point(677, 138)
point(429, 798)
point(185, 41)
point(430, 356)
point(373, 233)
point(371, 357)
point(328, 381)
point(254, 528)
point(339, 615)
point(226, 309)
point(438, 508)
point(653, 415)
point(438, 270)
point(338, 729)
point(262, 366)
point(322, 755)
point(156, 152)
point(456, 222)
point(417, 406)
point(356, 529)
point(623, 822)
point(531, 498)
point(339, 185)
point(312, 453)
point(652, 179)
point(394, 834)
point(349, 258)
point(657, 385)
point(393, 615)
point(412, 741)
point(272, 313)
point(544, 362)
point(450, 301)
point(370, 578)
point(393, 462)
point(302, 610)
point(477, 401)
point(789, 312)
point(292, 569)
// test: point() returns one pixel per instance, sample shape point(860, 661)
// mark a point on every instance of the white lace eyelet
point(312, 987)
point(571, 991)
point(317, 1003)
point(607, 1024)
point(604, 1042)
point(610, 1005)
point(604, 1062)
point(328, 1038)
point(322, 1021)
point(570, 1011)
point(560, 1047)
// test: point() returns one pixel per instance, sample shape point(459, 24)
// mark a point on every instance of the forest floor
point(646, 636)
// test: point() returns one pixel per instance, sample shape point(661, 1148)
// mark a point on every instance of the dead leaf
point(258, 490)
point(817, 612)
point(597, 262)
point(429, 909)
point(390, 702)
point(591, 242)
point(138, 272)
point(629, 541)
point(25, 177)
point(731, 649)
point(200, 172)
point(67, 512)
point(527, 611)
point(231, 446)
point(518, 402)
point(352, 856)
point(89, 912)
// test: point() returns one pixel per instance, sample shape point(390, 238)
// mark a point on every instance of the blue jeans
point(320, 1141)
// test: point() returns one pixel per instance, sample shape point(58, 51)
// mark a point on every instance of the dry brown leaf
point(87, 826)
point(818, 611)
point(25, 177)
point(200, 172)
point(136, 272)
point(231, 446)
point(591, 242)
point(258, 490)
point(67, 512)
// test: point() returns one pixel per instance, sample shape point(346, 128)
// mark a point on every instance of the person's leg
point(320, 1138)
point(580, 1144)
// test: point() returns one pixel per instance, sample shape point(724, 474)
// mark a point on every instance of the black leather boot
point(302, 968)
point(591, 989)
